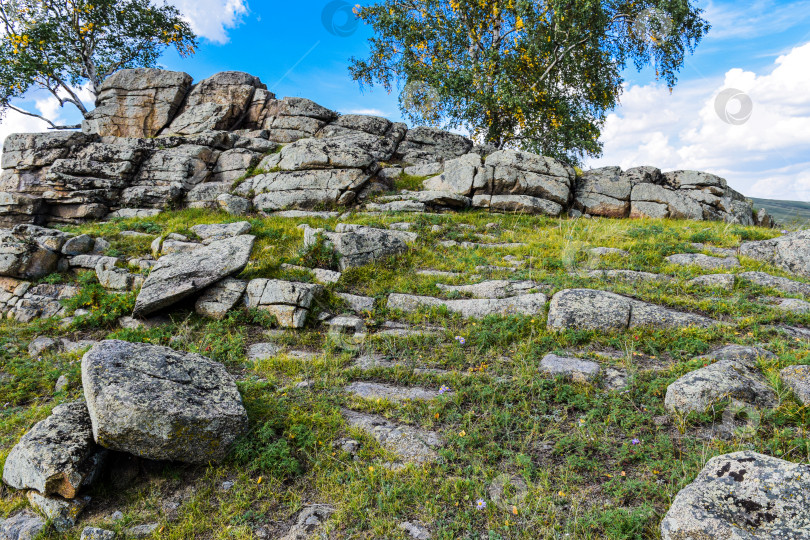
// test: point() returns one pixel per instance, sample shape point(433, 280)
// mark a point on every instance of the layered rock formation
point(157, 141)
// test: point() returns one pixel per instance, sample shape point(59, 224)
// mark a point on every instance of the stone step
point(388, 392)
point(410, 444)
point(529, 304)
point(500, 288)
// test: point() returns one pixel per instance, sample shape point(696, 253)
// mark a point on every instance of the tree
point(60, 45)
point(540, 75)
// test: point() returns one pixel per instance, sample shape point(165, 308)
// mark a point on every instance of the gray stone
point(603, 192)
point(410, 444)
point(528, 304)
point(179, 275)
point(262, 351)
point(141, 531)
point(790, 252)
point(158, 403)
point(460, 176)
point(78, 245)
point(426, 145)
point(720, 281)
point(792, 305)
point(233, 205)
point(234, 164)
point(346, 324)
point(94, 533)
point(357, 303)
point(24, 525)
point(130, 213)
point(745, 496)
point(703, 261)
point(218, 299)
point(590, 309)
point(424, 169)
point(137, 102)
point(57, 456)
point(608, 251)
point(62, 384)
point(62, 513)
point(797, 378)
point(288, 301)
point(781, 284)
point(582, 371)
point(308, 521)
point(221, 230)
point(733, 375)
point(415, 530)
point(322, 275)
point(519, 204)
point(492, 289)
point(632, 276)
point(43, 344)
point(664, 201)
point(112, 277)
point(511, 172)
point(376, 391)
point(360, 246)
point(29, 252)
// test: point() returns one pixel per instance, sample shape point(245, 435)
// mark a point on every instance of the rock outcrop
point(743, 495)
point(156, 141)
point(790, 252)
point(159, 403)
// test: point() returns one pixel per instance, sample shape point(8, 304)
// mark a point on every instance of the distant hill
point(786, 212)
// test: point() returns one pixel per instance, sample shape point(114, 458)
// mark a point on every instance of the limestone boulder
point(604, 192)
point(217, 300)
point(29, 251)
point(510, 172)
point(58, 456)
point(590, 309)
point(219, 102)
point(744, 495)
point(430, 145)
point(137, 102)
point(781, 284)
point(158, 403)
point(292, 118)
point(179, 275)
point(24, 525)
point(797, 378)
point(461, 175)
point(359, 246)
point(575, 369)
point(288, 301)
point(706, 262)
point(790, 252)
point(731, 373)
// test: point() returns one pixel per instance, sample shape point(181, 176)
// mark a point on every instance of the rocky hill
point(231, 316)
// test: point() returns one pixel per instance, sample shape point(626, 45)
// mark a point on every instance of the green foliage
point(58, 45)
point(540, 76)
point(320, 254)
point(105, 307)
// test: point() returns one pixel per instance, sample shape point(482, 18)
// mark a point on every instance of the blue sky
point(761, 48)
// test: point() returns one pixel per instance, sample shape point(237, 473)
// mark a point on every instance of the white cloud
point(368, 112)
point(767, 156)
point(211, 19)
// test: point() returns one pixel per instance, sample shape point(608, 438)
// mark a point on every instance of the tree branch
point(40, 117)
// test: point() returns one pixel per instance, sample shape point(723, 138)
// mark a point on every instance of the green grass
point(570, 443)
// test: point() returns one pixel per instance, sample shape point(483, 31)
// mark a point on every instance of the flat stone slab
point(358, 304)
point(412, 445)
point(375, 391)
point(262, 351)
point(609, 251)
point(790, 252)
point(221, 230)
point(573, 368)
point(781, 284)
point(706, 262)
point(396, 329)
point(500, 288)
point(158, 403)
point(733, 375)
point(438, 273)
point(62, 513)
point(179, 275)
point(58, 456)
point(745, 496)
point(797, 378)
point(791, 305)
point(720, 281)
point(590, 309)
point(346, 324)
point(529, 304)
point(631, 276)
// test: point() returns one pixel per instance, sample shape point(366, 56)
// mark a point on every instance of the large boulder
point(589, 309)
point(219, 102)
point(603, 192)
point(137, 102)
point(745, 496)
point(22, 526)
point(158, 403)
point(358, 246)
point(179, 275)
point(58, 456)
point(733, 374)
point(790, 252)
point(292, 118)
point(431, 145)
point(29, 251)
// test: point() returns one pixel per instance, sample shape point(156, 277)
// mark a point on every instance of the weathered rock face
point(744, 495)
point(22, 526)
point(57, 456)
point(137, 103)
point(527, 304)
point(159, 403)
point(156, 142)
point(589, 309)
point(358, 246)
point(289, 301)
point(790, 252)
point(733, 375)
point(179, 275)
